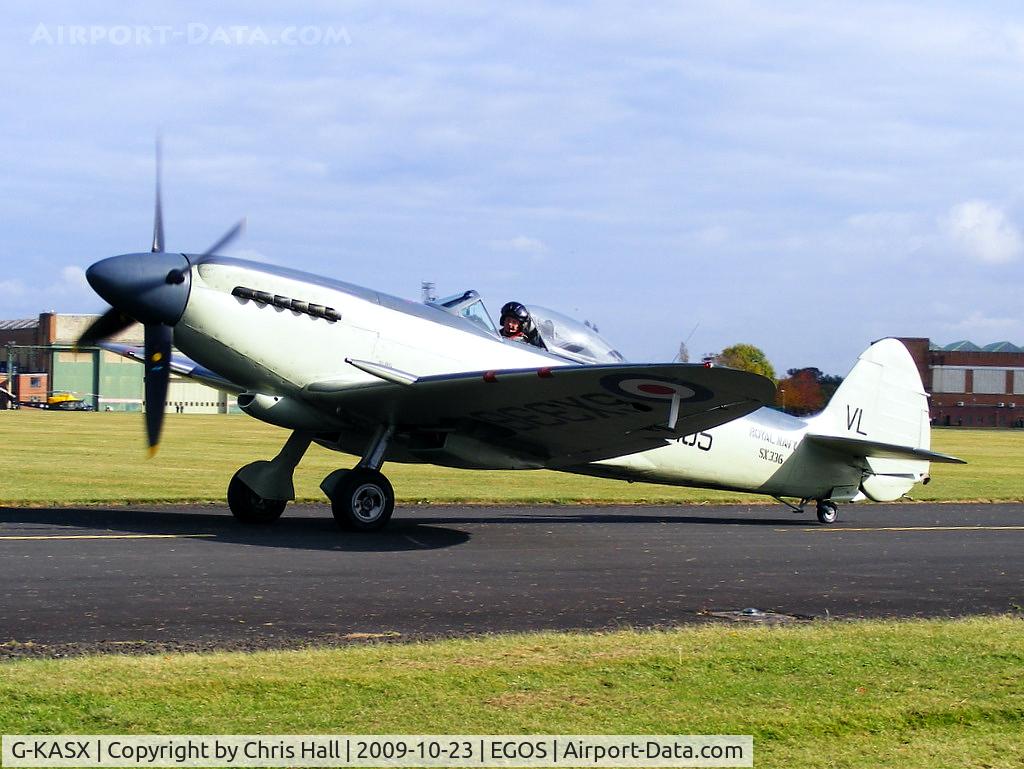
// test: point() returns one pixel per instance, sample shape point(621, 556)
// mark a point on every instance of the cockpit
point(560, 334)
point(470, 306)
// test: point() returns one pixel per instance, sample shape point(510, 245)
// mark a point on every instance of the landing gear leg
point(362, 499)
point(827, 512)
point(260, 491)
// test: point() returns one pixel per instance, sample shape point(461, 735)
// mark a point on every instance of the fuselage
point(276, 351)
point(762, 453)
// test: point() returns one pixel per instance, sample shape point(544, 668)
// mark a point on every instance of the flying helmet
point(519, 312)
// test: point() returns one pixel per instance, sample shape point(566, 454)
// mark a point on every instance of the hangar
point(43, 360)
point(971, 385)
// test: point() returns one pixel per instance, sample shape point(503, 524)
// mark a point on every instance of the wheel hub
point(368, 502)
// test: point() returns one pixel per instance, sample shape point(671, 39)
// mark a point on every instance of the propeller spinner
point(151, 288)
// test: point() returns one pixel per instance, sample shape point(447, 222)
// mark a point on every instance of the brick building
point(44, 361)
point(972, 386)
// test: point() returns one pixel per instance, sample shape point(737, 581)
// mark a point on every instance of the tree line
point(802, 391)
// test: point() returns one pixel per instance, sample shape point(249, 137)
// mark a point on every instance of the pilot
point(517, 325)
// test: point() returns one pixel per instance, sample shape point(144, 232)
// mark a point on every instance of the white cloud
point(66, 291)
point(11, 292)
point(70, 283)
point(983, 232)
point(980, 323)
point(72, 278)
point(520, 243)
point(715, 235)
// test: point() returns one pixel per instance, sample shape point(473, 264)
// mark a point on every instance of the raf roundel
point(653, 388)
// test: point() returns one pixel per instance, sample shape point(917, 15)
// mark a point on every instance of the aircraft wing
point(552, 417)
point(180, 365)
point(877, 450)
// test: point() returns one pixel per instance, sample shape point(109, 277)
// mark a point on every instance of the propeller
point(111, 323)
point(177, 275)
point(158, 210)
point(157, 380)
point(151, 288)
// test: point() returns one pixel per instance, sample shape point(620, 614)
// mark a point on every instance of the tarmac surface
point(152, 578)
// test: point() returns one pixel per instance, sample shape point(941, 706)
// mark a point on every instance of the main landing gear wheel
point(249, 507)
point(827, 513)
point(363, 500)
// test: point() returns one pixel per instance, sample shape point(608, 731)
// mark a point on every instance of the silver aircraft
point(359, 371)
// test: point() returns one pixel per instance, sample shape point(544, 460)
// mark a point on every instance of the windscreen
point(470, 306)
point(571, 339)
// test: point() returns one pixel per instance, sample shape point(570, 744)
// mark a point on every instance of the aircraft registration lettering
point(774, 457)
point(702, 441)
point(557, 411)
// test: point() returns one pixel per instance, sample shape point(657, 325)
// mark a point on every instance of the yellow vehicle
point(61, 401)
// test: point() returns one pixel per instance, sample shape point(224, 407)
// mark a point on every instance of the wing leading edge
point(180, 365)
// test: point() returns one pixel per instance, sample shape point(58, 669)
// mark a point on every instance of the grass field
point(85, 458)
point(864, 694)
point(868, 694)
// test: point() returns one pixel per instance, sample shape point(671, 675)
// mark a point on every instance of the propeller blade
point(109, 324)
point(158, 373)
point(158, 213)
point(226, 238)
point(178, 275)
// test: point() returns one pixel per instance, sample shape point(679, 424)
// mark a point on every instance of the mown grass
point(867, 694)
point(82, 458)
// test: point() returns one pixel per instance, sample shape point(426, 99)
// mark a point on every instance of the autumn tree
point(829, 384)
point(806, 390)
point(745, 357)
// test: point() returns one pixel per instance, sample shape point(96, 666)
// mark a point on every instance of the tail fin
point(882, 400)
point(880, 414)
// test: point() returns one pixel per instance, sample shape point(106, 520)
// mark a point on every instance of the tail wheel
point(828, 513)
point(249, 507)
point(363, 500)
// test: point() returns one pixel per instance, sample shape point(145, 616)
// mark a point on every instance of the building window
point(1018, 382)
point(949, 380)
point(35, 381)
point(990, 381)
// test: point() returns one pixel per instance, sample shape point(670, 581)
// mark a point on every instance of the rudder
point(882, 400)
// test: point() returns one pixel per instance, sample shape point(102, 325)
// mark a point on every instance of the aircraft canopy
point(571, 339)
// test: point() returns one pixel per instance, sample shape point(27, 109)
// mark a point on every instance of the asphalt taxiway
point(190, 577)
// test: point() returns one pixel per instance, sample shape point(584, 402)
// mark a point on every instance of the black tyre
point(827, 513)
point(363, 501)
point(249, 507)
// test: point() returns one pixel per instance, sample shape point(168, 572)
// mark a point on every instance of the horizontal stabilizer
point(877, 450)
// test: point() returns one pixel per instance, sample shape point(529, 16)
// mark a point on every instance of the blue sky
point(806, 177)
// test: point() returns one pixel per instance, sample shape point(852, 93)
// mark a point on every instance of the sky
point(805, 177)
